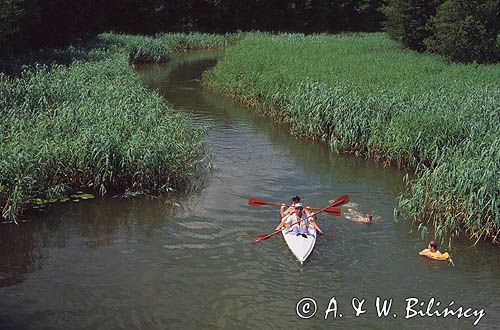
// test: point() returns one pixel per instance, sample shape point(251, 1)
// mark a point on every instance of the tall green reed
point(90, 124)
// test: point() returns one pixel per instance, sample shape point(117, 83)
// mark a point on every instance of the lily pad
point(39, 201)
point(83, 196)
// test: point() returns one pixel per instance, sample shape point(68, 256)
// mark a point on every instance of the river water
point(193, 263)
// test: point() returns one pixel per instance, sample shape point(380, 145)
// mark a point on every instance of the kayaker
point(302, 227)
point(433, 253)
point(291, 209)
point(357, 217)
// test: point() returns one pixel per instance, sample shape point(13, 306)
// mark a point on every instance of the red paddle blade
point(256, 202)
point(333, 211)
point(263, 237)
point(340, 201)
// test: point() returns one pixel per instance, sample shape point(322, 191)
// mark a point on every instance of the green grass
point(90, 124)
point(365, 95)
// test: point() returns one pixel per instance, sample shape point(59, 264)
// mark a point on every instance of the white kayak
point(301, 247)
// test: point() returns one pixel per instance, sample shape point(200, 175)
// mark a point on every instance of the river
point(192, 262)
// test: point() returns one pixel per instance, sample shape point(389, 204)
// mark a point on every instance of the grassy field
point(79, 118)
point(364, 94)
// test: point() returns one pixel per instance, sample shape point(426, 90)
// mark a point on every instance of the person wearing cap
point(301, 228)
point(291, 209)
point(284, 214)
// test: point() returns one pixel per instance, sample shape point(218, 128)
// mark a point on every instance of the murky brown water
point(153, 264)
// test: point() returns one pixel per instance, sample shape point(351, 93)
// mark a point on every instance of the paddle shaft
point(339, 201)
point(306, 207)
point(260, 202)
point(293, 224)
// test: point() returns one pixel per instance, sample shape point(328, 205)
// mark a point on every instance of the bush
point(15, 17)
point(407, 21)
point(465, 31)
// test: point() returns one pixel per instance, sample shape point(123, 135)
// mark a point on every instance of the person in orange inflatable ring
point(433, 253)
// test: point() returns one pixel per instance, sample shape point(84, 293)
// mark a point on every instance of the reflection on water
point(192, 262)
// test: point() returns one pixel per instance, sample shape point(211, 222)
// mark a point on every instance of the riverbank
point(79, 118)
point(363, 94)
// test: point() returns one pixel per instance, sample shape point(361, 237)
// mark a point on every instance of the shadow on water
point(96, 223)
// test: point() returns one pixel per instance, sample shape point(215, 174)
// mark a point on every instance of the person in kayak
point(291, 209)
point(357, 217)
point(433, 253)
point(302, 227)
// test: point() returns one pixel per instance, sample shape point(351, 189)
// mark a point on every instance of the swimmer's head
point(433, 245)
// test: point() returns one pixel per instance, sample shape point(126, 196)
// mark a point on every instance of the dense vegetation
point(363, 94)
point(461, 30)
point(466, 31)
point(91, 125)
point(407, 21)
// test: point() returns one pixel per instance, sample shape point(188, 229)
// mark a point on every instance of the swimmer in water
point(358, 217)
point(433, 253)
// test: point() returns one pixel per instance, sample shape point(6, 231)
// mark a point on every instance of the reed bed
point(158, 48)
point(90, 124)
point(363, 94)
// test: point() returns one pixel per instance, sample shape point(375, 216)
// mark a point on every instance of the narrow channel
point(193, 263)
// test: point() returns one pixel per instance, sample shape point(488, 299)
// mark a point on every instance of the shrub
point(407, 21)
point(465, 31)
